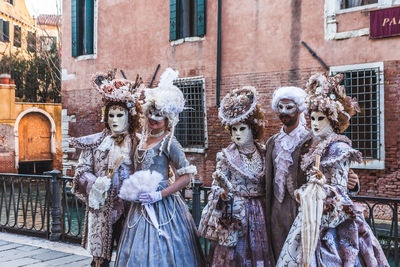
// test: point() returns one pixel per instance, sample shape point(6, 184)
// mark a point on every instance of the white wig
point(295, 94)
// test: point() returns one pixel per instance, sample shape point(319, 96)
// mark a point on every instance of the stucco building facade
point(30, 133)
point(256, 42)
point(17, 28)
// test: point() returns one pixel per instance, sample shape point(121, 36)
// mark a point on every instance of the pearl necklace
point(157, 134)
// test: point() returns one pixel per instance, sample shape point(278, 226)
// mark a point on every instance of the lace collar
point(290, 141)
point(235, 161)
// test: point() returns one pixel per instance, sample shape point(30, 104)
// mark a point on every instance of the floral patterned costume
point(241, 239)
point(345, 238)
point(98, 155)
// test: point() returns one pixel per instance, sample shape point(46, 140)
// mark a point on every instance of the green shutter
point(89, 7)
point(1, 30)
point(173, 21)
point(201, 18)
point(6, 31)
point(75, 6)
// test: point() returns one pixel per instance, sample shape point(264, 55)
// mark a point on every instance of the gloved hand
point(316, 176)
point(96, 194)
point(149, 198)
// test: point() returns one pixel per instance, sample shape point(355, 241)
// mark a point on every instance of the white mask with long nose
point(320, 124)
point(117, 119)
point(241, 134)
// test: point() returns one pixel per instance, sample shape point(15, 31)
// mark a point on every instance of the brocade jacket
point(94, 163)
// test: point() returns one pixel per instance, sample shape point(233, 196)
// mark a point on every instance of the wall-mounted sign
point(384, 22)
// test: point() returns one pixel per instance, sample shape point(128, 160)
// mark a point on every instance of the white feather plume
point(167, 78)
point(140, 182)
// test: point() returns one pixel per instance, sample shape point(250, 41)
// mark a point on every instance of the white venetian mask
point(287, 106)
point(241, 134)
point(320, 124)
point(155, 114)
point(117, 119)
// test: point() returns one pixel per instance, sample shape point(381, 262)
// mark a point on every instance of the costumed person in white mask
point(233, 218)
point(159, 229)
point(341, 235)
point(105, 161)
point(282, 164)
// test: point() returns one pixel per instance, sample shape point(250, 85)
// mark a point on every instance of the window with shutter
point(75, 26)
point(1, 30)
point(201, 18)
point(31, 42)
point(173, 20)
point(17, 36)
point(6, 31)
point(187, 18)
point(82, 24)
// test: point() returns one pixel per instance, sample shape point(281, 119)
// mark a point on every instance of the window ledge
point(351, 34)
point(85, 57)
point(187, 39)
point(194, 150)
point(369, 165)
point(357, 8)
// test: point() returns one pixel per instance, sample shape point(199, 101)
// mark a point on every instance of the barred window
point(366, 127)
point(191, 129)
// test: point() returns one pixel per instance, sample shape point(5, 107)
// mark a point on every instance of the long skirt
point(141, 244)
point(253, 248)
point(351, 243)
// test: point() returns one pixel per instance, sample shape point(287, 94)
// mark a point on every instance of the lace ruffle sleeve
point(337, 161)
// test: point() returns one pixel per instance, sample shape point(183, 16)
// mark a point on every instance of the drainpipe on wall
point(219, 52)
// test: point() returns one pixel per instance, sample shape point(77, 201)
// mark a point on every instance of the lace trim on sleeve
point(191, 169)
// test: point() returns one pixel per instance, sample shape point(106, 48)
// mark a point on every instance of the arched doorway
point(35, 140)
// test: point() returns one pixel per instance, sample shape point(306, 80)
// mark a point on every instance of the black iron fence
point(43, 205)
point(25, 204)
point(385, 224)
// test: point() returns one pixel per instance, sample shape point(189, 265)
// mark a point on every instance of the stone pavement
point(20, 250)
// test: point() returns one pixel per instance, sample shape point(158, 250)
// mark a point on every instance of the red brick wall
point(86, 104)
point(7, 162)
point(373, 182)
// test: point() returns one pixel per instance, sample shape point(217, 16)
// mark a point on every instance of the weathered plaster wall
point(260, 46)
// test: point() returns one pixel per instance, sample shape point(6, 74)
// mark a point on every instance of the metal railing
point(43, 205)
point(24, 204)
point(387, 231)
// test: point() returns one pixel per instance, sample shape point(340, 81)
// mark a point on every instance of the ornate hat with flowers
point(238, 105)
point(118, 90)
point(166, 100)
point(325, 94)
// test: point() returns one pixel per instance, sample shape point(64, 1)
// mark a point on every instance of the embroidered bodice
point(239, 174)
point(160, 156)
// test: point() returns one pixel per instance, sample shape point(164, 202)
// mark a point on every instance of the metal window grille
point(190, 131)
point(364, 130)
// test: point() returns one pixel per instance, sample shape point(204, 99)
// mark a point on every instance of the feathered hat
point(118, 90)
point(238, 105)
point(325, 94)
point(164, 101)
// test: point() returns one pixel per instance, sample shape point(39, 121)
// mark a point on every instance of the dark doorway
point(35, 167)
